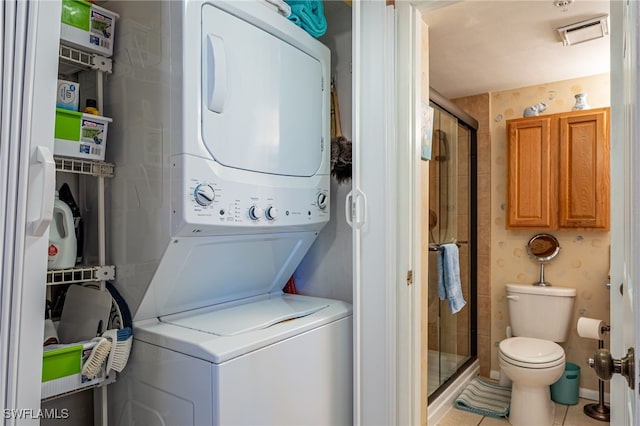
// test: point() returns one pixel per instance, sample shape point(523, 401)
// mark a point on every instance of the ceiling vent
point(582, 31)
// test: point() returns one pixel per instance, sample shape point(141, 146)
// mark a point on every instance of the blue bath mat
point(484, 398)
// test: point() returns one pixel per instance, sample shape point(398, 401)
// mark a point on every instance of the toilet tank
point(541, 312)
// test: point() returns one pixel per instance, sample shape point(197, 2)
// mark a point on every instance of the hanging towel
point(449, 285)
point(308, 14)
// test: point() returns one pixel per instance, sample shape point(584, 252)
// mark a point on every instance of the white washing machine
point(232, 366)
point(220, 138)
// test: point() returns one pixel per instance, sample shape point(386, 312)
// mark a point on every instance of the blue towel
point(449, 285)
point(308, 14)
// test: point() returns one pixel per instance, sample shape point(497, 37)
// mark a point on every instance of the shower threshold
point(447, 393)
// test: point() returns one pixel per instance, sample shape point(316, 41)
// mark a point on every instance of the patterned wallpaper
point(583, 262)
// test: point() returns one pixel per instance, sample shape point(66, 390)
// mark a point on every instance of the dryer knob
point(204, 194)
point(271, 213)
point(322, 200)
point(255, 213)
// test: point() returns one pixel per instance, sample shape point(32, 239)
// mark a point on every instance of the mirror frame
point(554, 242)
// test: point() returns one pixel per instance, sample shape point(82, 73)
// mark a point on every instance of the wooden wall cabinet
point(558, 171)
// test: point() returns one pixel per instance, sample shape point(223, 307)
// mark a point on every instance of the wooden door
point(532, 174)
point(584, 169)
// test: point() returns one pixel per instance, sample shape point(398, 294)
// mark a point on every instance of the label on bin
point(92, 131)
point(101, 29)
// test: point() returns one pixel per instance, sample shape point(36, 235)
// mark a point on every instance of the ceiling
point(480, 46)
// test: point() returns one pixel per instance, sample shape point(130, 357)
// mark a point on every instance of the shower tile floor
point(566, 415)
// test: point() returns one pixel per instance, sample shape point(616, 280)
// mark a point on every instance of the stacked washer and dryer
point(220, 139)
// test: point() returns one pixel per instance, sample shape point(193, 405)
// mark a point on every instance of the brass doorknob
point(605, 366)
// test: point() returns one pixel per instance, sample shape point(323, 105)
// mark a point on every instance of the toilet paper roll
point(591, 328)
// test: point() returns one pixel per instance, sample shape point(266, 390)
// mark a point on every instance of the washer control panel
point(212, 205)
point(210, 199)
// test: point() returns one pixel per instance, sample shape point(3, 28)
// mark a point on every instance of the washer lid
point(530, 350)
point(244, 318)
point(198, 272)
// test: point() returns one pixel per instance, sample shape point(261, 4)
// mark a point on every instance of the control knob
point(322, 200)
point(204, 194)
point(255, 212)
point(271, 213)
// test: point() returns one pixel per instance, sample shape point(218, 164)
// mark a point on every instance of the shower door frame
point(472, 124)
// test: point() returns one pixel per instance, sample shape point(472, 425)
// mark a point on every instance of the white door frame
point(411, 409)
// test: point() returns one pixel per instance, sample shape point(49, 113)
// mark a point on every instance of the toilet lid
point(536, 353)
point(502, 360)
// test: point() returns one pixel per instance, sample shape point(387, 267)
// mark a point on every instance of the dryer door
point(263, 104)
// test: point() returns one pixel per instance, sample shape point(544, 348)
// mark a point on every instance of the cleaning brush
point(341, 157)
point(121, 341)
point(96, 358)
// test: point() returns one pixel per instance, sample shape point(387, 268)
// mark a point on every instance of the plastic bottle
point(91, 107)
point(66, 196)
point(62, 237)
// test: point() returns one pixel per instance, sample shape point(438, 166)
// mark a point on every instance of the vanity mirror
point(543, 248)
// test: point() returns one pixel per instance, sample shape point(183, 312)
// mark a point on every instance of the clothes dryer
point(221, 121)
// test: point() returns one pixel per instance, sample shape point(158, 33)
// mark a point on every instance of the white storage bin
point(87, 26)
point(80, 135)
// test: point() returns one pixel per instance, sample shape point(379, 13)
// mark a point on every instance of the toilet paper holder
point(604, 366)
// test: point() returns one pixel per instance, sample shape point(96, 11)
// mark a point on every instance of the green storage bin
point(76, 13)
point(67, 124)
point(61, 362)
point(87, 26)
point(80, 135)
point(566, 390)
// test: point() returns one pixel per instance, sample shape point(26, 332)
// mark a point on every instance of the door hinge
point(409, 277)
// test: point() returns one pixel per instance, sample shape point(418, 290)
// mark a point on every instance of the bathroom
point(583, 261)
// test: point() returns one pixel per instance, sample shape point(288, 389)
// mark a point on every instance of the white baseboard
point(592, 394)
point(583, 392)
point(438, 408)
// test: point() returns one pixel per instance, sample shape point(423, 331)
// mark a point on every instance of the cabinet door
point(531, 177)
point(584, 169)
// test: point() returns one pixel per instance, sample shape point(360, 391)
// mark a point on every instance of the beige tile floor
point(566, 415)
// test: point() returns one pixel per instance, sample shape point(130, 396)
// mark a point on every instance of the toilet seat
point(528, 352)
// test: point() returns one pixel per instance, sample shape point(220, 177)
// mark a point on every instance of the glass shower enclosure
point(452, 220)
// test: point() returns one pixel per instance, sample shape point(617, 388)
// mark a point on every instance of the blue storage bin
point(566, 390)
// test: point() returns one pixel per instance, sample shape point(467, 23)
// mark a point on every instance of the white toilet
point(539, 317)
